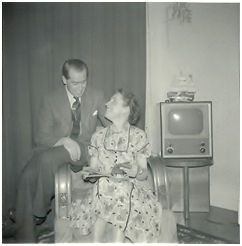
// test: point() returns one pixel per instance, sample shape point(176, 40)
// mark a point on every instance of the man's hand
point(60, 142)
point(71, 146)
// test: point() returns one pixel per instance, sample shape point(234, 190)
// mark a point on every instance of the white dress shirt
point(71, 97)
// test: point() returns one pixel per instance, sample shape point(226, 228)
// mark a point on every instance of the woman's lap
point(115, 209)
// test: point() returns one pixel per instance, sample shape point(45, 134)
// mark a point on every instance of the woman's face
point(116, 108)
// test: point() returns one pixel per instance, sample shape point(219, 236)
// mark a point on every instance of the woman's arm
point(93, 167)
point(94, 162)
point(142, 173)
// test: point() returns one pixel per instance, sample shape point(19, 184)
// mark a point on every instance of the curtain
point(37, 39)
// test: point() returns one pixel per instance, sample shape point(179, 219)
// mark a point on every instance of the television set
point(186, 130)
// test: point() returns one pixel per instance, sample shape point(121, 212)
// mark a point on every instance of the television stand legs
point(186, 164)
point(186, 193)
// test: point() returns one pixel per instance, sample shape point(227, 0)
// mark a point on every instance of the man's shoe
point(8, 228)
point(9, 225)
point(39, 220)
point(12, 215)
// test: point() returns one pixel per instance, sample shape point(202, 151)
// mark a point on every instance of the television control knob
point(202, 150)
point(202, 144)
point(170, 150)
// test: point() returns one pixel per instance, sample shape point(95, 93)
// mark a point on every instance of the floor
point(222, 223)
point(218, 222)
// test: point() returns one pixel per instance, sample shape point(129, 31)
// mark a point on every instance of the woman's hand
point(91, 180)
point(86, 171)
point(89, 170)
point(142, 174)
point(125, 168)
point(116, 170)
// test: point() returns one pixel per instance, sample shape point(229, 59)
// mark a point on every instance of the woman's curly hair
point(131, 101)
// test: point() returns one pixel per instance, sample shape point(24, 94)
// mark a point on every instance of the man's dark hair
point(73, 63)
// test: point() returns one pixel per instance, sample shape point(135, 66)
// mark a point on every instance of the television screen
point(185, 121)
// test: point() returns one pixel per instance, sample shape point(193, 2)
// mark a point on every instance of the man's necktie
point(76, 118)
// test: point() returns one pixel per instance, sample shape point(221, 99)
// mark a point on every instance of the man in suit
point(66, 121)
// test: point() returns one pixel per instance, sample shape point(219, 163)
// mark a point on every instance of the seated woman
point(123, 197)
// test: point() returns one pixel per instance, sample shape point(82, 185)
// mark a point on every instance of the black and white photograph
point(121, 122)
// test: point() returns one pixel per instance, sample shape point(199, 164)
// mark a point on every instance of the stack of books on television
point(181, 96)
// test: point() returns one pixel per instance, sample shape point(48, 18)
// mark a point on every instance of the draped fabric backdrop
point(37, 39)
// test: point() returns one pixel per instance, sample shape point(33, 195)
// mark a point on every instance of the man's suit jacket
point(54, 120)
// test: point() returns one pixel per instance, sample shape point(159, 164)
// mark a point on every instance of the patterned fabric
point(128, 204)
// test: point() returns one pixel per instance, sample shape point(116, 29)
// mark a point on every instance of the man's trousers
point(36, 188)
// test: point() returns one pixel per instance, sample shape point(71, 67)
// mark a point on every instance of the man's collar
point(70, 96)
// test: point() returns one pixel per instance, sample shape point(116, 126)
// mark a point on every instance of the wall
point(208, 48)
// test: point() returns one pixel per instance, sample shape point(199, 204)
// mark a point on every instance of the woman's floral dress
point(128, 205)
